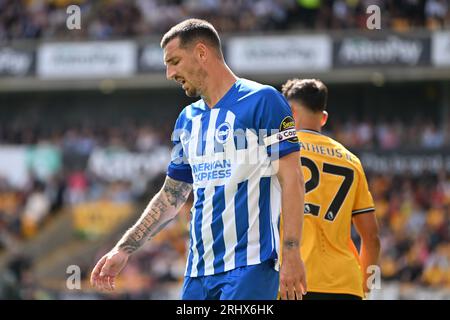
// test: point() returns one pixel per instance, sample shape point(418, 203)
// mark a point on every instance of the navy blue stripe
point(198, 230)
point(265, 232)
point(180, 173)
point(241, 217)
point(217, 228)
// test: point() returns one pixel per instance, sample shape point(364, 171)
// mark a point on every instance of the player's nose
point(170, 73)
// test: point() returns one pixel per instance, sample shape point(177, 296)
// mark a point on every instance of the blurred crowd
point(83, 138)
point(59, 174)
point(60, 180)
point(106, 19)
point(414, 218)
point(413, 211)
point(421, 132)
point(389, 135)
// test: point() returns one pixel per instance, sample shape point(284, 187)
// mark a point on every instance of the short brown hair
point(191, 30)
point(310, 93)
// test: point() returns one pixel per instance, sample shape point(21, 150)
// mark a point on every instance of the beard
point(191, 91)
point(198, 77)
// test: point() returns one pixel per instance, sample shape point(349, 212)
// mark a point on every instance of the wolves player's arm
point(292, 272)
point(367, 228)
point(159, 212)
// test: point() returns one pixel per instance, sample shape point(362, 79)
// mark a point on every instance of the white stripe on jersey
point(194, 243)
point(252, 146)
point(193, 142)
point(228, 215)
point(207, 235)
point(253, 248)
point(229, 226)
point(275, 206)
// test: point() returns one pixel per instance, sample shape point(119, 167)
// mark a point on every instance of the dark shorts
point(330, 296)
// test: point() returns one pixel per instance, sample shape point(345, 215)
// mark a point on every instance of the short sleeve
point(363, 201)
point(275, 118)
point(179, 167)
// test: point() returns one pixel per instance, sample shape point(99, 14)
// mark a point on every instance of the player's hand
point(107, 268)
point(292, 277)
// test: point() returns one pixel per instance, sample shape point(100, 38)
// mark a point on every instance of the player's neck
point(310, 129)
point(219, 82)
point(309, 125)
point(305, 119)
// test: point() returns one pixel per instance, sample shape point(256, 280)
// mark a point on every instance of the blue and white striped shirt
point(227, 152)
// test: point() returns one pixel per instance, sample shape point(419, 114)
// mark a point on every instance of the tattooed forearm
point(159, 212)
point(160, 227)
point(136, 236)
point(177, 192)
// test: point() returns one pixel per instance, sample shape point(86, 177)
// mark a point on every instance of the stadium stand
point(32, 19)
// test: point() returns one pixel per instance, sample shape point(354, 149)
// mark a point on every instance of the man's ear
point(324, 118)
point(201, 51)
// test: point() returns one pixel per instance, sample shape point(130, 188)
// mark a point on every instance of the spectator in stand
point(37, 207)
point(436, 13)
point(119, 18)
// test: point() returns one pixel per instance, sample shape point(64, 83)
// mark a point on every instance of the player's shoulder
point(255, 89)
point(191, 111)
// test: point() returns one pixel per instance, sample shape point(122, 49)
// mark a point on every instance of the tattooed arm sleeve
point(161, 210)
